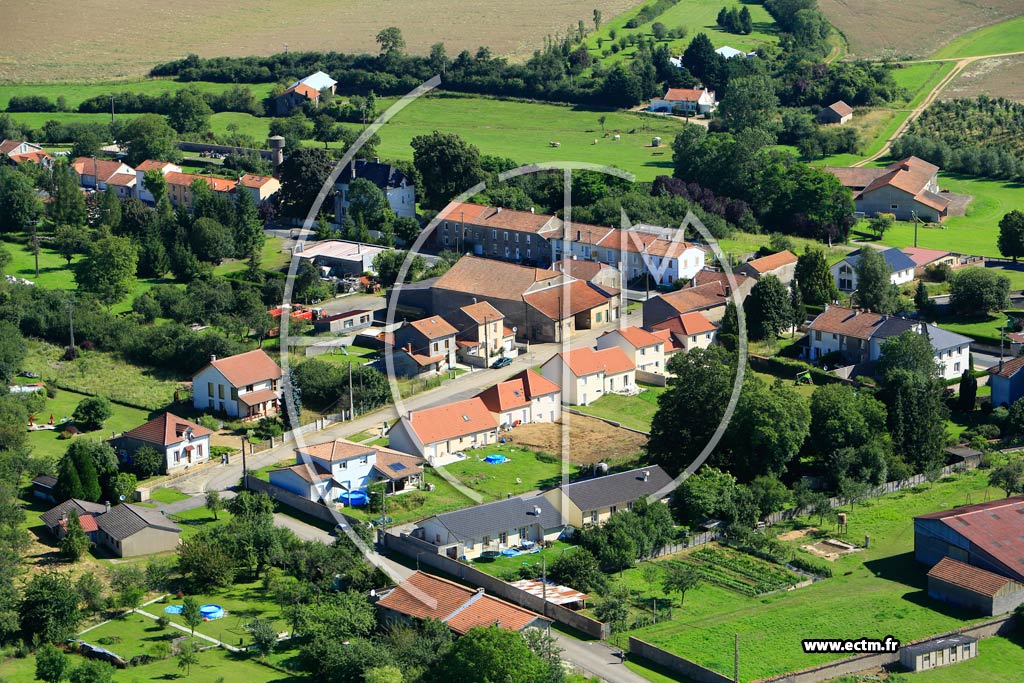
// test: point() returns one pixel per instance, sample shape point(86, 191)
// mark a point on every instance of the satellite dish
point(122, 497)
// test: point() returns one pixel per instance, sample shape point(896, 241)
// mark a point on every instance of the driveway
point(597, 658)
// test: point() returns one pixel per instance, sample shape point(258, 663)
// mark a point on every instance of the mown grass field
point(630, 411)
point(880, 28)
point(974, 233)
point(1006, 36)
point(101, 42)
point(873, 593)
point(697, 16)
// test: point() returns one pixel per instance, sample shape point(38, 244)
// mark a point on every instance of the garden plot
point(590, 440)
point(740, 572)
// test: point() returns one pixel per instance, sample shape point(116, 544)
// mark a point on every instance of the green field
point(46, 442)
point(524, 471)
point(1007, 36)
point(974, 233)
point(698, 16)
point(635, 412)
point(273, 258)
point(74, 94)
point(874, 593)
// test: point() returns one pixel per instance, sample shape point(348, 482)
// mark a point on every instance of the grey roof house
point(513, 522)
point(128, 530)
point(593, 501)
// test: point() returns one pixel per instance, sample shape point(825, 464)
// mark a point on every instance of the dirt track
point(590, 440)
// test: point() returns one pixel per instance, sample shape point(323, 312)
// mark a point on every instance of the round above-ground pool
point(354, 498)
point(173, 609)
point(495, 459)
point(510, 552)
point(211, 611)
point(490, 555)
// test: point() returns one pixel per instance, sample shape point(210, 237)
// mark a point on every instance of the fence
point(426, 553)
point(851, 665)
point(316, 425)
point(672, 662)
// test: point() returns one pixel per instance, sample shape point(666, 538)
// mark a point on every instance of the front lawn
point(874, 592)
point(986, 330)
point(635, 412)
point(46, 442)
point(523, 471)
point(503, 566)
point(167, 495)
point(195, 520)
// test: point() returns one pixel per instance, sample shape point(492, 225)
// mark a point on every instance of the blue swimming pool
point(173, 609)
point(211, 611)
point(495, 459)
point(354, 498)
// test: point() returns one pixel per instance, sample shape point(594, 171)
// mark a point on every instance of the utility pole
point(245, 470)
point(736, 659)
point(913, 214)
point(35, 248)
point(544, 582)
point(487, 339)
point(351, 397)
point(111, 109)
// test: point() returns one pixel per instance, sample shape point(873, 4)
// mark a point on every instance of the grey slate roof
point(384, 176)
point(53, 516)
point(126, 520)
point(616, 489)
point(894, 258)
point(45, 480)
point(940, 339)
point(491, 519)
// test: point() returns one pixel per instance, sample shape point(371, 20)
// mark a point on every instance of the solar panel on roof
point(397, 466)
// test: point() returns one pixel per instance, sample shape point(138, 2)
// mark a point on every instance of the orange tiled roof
point(186, 179)
point(517, 391)
point(772, 261)
point(482, 312)
point(637, 337)
point(306, 91)
point(488, 278)
point(499, 218)
point(587, 361)
point(255, 181)
point(684, 94)
point(974, 579)
point(247, 368)
point(434, 327)
point(567, 300)
point(687, 324)
point(152, 164)
point(452, 420)
point(166, 430)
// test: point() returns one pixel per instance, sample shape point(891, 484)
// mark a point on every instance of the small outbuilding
point(964, 585)
point(939, 652)
point(837, 112)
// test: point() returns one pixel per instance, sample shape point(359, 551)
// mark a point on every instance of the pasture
point(76, 93)
point(94, 40)
point(1006, 36)
point(873, 593)
point(880, 28)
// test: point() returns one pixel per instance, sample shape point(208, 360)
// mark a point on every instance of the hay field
point(877, 28)
point(98, 40)
point(995, 77)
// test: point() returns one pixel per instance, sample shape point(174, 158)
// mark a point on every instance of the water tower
point(276, 143)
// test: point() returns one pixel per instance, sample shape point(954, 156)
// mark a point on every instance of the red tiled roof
point(587, 361)
point(567, 300)
point(310, 473)
point(166, 430)
point(256, 397)
point(969, 577)
point(88, 523)
point(1007, 369)
point(846, 321)
point(696, 298)
point(856, 177)
point(434, 327)
point(499, 218)
point(517, 391)
point(686, 324)
point(637, 337)
point(487, 278)
point(452, 420)
point(482, 312)
point(706, 276)
point(8, 146)
point(334, 451)
point(35, 157)
point(922, 257)
point(582, 270)
point(306, 91)
point(103, 168)
point(152, 164)
point(122, 179)
point(671, 343)
point(911, 175)
point(769, 263)
point(255, 181)
point(424, 596)
point(841, 108)
point(684, 94)
point(186, 179)
point(247, 368)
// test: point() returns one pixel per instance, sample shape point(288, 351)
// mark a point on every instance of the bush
point(805, 564)
point(91, 412)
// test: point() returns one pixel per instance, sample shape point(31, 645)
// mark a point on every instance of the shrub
point(805, 564)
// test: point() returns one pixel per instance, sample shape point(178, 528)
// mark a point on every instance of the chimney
point(376, 160)
point(498, 210)
point(106, 505)
point(647, 475)
point(536, 510)
point(531, 209)
point(826, 306)
point(213, 357)
point(728, 291)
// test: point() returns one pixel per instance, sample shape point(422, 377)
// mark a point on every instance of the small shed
point(837, 112)
point(939, 652)
point(963, 455)
point(964, 585)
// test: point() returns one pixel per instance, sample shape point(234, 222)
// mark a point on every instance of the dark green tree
point(49, 608)
point(147, 461)
point(92, 671)
point(302, 175)
point(680, 577)
point(149, 136)
point(52, 665)
point(108, 271)
point(766, 432)
point(75, 543)
point(578, 569)
point(91, 412)
point(1009, 477)
point(191, 614)
point(968, 391)
point(448, 166)
point(20, 206)
point(189, 112)
point(1011, 234)
point(977, 292)
point(249, 237)
point(108, 209)
point(68, 206)
point(815, 278)
point(875, 290)
point(211, 241)
point(767, 309)
point(478, 656)
point(796, 305)
point(750, 102)
point(922, 303)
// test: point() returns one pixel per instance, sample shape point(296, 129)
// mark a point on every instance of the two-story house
point(426, 345)
point(781, 264)
point(497, 233)
point(182, 443)
point(857, 336)
point(685, 101)
point(179, 187)
point(99, 174)
point(142, 193)
point(327, 471)
point(644, 349)
point(19, 152)
point(688, 331)
point(482, 334)
point(586, 375)
point(397, 188)
point(900, 266)
point(593, 501)
point(908, 189)
point(247, 385)
point(523, 398)
point(438, 432)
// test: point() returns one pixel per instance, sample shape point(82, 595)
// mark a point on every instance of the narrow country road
point(597, 658)
point(961, 64)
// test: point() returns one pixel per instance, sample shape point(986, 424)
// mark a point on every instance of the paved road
point(462, 387)
point(597, 658)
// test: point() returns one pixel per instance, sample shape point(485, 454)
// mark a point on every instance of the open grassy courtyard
point(874, 593)
point(635, 412)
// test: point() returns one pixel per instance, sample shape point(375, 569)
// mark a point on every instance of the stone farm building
point(908, 189)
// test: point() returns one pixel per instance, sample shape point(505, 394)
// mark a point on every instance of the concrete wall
point(223, 149)
point(851, 665)
point(427, 555)
point(298, 502)
point(675, 663)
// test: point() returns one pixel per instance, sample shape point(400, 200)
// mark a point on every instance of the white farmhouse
point(182, 443)
point(586, 375)
point(245, 386)
point(685, 101)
